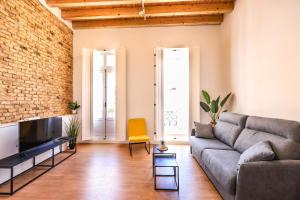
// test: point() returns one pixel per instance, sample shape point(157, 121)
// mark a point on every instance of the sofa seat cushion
point(199, 144)
point(223, 166)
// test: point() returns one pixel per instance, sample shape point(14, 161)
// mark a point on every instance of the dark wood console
point(12, 161)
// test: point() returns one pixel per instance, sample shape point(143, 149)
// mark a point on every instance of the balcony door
point(173, 93)
point(103, 94)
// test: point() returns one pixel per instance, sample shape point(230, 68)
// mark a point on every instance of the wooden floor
point(106, 171)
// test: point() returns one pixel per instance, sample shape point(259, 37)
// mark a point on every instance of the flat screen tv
point(36, 132)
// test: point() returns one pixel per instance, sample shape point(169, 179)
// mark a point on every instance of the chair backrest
point(137, 127)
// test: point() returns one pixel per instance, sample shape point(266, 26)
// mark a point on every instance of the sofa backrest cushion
point(229, 127)
point(284, 136)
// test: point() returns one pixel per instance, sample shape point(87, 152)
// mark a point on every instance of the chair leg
point(130, 149)
point(148, 150)
point(146, 146)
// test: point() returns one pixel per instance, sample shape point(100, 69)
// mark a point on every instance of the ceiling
point(86, 14)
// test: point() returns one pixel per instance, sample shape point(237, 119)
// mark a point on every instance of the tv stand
point(23, 154)
point(16, 159)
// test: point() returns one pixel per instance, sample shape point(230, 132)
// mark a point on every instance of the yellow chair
point(137, 133)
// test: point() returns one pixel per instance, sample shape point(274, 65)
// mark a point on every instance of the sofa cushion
point(261, 151)
point(233, 118)
point(199, 144)
point(203, 130)
point(229, 127)
point(223, 166)
point(283, 135)
point(284, 128)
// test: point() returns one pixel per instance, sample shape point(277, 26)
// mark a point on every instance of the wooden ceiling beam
point(155, 21)
point(87, 3)
point(151, 11)
point(83, 3)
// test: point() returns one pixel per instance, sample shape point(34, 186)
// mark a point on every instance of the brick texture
point(35, 62)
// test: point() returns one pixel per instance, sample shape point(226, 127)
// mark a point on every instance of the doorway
point(174, 94)
point(103, 95)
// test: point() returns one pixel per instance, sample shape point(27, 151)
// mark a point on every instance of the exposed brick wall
point(35, 62)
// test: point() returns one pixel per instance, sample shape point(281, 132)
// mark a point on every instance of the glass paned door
point(103, 94)
point(111, 95)
point(175, 84)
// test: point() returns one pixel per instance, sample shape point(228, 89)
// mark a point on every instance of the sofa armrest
point(268, 180)
point(193, 132)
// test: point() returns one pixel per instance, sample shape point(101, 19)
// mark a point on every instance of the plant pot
point(74, 112)
point(72, 145)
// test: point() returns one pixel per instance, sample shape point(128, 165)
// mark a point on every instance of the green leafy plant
point(72, 130)
point(73, 105)
point(213, 106)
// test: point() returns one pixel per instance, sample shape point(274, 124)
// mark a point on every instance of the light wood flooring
point(107, 172)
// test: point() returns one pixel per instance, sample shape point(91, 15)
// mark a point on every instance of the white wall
point(261, 54)
point(56, 12)
point(140, 44)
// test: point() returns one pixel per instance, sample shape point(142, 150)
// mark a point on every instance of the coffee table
point(166, 160)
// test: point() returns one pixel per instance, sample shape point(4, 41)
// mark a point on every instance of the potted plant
point(72, 130)
point(213, 106)
point(73, 105)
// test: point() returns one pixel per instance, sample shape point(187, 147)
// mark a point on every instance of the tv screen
point(35, 132)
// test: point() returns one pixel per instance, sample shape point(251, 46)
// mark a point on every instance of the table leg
point(11, 180)
point(154, 172)
point(178, 179)
point(52, 157)
point(174, 172)
point(153, 164)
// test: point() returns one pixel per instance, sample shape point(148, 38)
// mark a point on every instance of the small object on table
point(162, 146)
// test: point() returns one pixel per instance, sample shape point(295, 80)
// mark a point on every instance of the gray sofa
point(263, 180)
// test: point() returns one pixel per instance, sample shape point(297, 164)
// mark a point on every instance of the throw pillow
point(203, 130)
point(261, 151)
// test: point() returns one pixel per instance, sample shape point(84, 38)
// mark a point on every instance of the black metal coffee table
point(165, 170)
